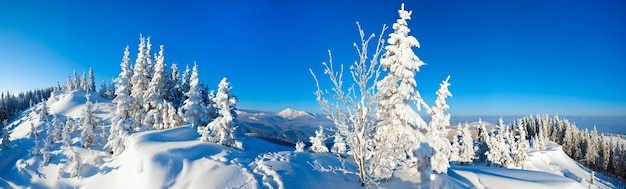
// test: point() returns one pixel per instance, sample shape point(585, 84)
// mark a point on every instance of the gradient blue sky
point(504, 57)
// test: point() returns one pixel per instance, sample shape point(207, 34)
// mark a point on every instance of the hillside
point(176, 158)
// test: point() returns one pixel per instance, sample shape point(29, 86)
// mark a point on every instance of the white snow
point(176, 158)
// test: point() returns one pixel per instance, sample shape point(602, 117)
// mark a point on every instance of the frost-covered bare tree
point(352, 108)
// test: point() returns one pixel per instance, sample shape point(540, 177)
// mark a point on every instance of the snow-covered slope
point(175, 158)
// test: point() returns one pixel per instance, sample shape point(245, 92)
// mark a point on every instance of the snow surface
point(176, 158)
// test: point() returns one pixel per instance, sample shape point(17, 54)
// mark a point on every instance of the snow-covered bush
point(318, 142)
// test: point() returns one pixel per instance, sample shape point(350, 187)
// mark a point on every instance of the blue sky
point(504, 57)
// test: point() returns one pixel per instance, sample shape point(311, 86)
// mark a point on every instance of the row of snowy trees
point(595, 151)
point(12, 104)
point(79, 83)
point(149, 95)
point(375, 116)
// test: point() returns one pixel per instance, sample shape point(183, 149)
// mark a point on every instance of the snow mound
point(71, 104)
point(293, 114)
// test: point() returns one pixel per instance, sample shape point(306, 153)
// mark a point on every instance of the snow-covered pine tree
point(500, 151)
point(139, 82)
point(171, 118)
point(102, 90)
point(352, 109)
point(83, 82)
point(111, 90)
point(455, 148)
point(43, 112)
point(155, 95)
point(69, 126)
point(76, 165)
point(482, 143)
point(91, 83)
point(398, 134)
point(223, 130)
point(47, 144)
point(466, 148)
point(36, 150)
point(212, 109)
point(175, 95)
point(520, 146)
point(5, 134)
point(592, 148)
point(56, 128)
point(123, 122)
point(194, 109)
point(300, 146)
point(339, 145)
point(437, 133)
point(76, 82)
point(318, 142)
point(69, 85)
point(88, 124)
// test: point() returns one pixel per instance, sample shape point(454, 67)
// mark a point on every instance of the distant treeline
point(11, 104)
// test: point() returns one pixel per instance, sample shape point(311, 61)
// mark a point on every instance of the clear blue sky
point(504, 57)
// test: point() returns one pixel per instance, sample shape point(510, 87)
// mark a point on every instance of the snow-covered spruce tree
point(223, 130)
point(318, 142)
point(103, 89)
point(139, 81)
point(5, 134)
point(68, 86)
point(300, 146)
point(76, 165)
point(69, 126)
point(76, 81)
point(185, 84)
point(437, 133)
point(339, 145)
point(57, 125)
point(36, 150)
point(155, 95)
point(520, 146)
point(500, 150)
point(398, 137)
point(88, 124)
point(83, 82)
point(43, 112)
point(482, 142)
point(592, 148)
point(455, 148)
point(171, 118)
point(466, 148)
point(91, 83)
point(176, 94)
point(194, 109)
point(123, 122)
point(352, 109)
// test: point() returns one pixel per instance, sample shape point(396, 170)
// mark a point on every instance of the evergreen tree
point(102, 91)
point(69, 85)
point(318, 142)
point(91, 83)
point(88, 124)
point(466, 146)
point(83, 82)
point(5, 135)
point(176, 94)
point(339, 145)
point(437, 132)
point(194, 109)
point(171, 118)
point(592, 149)
point(520, 146)
point(43, 112)
point(397, 135)
point(139, 82)
point(300, 146)
point(185, 84)
point(76, 82)
point(56, 128)
point(123, 121)
point(155, 95)
point(223, 130)
point(482, 143)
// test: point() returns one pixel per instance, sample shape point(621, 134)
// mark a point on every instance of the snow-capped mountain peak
point(293, 114)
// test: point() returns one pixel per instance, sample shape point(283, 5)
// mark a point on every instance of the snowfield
point(176, 158)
